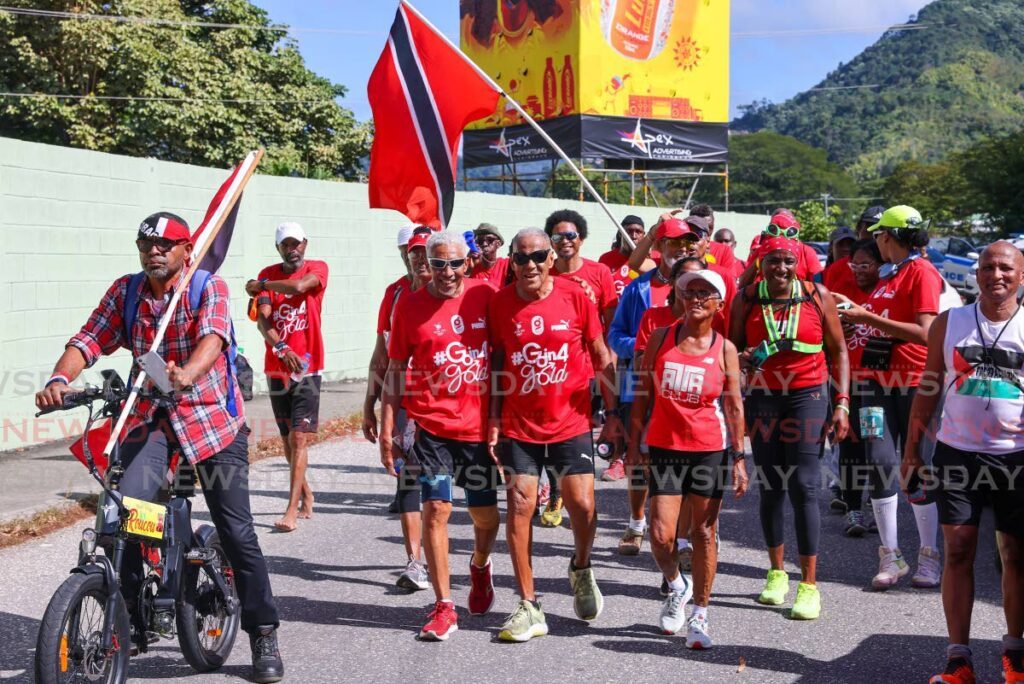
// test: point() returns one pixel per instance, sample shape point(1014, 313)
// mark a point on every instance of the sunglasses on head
point(538, 257)
point(775, 231)
point(441, 264)
point(568, 235)
point(163, 245)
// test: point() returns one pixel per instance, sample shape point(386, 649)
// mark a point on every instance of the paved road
point(345, 621)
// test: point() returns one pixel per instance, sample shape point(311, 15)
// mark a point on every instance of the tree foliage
point(215, 93)
point(815, 225)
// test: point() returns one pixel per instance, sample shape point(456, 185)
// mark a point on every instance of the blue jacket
point(635, 300)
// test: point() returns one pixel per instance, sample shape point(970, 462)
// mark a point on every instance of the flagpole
point(248, 168)
point(529, 119)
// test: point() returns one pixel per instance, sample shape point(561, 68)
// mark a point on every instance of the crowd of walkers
point(495, 363)
point(496, 367)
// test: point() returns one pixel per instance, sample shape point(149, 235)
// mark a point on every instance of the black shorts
point(467, 464)
point(296, 405)
point(573, 456)
point(969, 481)
point(678, 473)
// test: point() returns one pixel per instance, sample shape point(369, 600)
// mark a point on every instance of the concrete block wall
point(68, 219)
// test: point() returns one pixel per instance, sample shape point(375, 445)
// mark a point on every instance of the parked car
point(971, 281)
point(822, 249)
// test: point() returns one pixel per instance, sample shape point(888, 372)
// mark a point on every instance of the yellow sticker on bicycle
point(145, 519)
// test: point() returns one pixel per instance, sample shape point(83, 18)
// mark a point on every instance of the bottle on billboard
point(512, 17)
point(637, 29)
point(568, 87)
point(550, 90)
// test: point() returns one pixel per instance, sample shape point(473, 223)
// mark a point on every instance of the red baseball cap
point(675, 228)
point(419, 238)
point(165, 225)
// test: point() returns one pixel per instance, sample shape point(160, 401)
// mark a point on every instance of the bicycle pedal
point(200, 556)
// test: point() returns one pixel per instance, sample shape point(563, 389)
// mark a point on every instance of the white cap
point(404, 233)
point(289, 229)
point(708, 276)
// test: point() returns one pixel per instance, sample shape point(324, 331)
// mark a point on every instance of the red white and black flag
point(423, 93)
point(218, 249)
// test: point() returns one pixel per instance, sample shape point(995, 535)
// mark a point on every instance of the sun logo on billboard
point(687, 53)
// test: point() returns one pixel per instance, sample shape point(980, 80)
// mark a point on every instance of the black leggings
point(851, 460)
point(785, 429)
point(880, 455)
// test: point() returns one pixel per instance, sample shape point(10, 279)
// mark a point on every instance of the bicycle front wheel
point(70, 643)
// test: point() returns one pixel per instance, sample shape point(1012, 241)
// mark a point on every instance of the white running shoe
point(891, 567)
point(697, 636)
point(929, 569)
point(673, 609)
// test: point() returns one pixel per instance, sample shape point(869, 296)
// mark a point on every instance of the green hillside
point(943, 87)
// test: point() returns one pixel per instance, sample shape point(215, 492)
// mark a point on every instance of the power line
point(783, 203)
point(140, 98)
point(155, 21)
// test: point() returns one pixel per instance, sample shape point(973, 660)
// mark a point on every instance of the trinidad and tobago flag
point(423, 92)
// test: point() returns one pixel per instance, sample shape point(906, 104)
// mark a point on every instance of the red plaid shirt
point(200, 420)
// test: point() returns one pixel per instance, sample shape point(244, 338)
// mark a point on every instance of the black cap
point(872, 215)
point(698, 223)
point(631, 219)
point(842, 233)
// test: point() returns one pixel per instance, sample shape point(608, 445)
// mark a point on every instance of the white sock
point(885, 518)
point(678, 584)
point(699, 611)
point(638, 525)
point(682, 543)
point(927, 517)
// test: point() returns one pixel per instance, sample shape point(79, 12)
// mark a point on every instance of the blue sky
point(774, 67)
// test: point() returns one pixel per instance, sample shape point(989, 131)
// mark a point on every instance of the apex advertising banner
point(656, 62)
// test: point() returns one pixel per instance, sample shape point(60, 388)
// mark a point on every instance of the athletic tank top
point(686, 415)
point(984, 407)
point(789, 369)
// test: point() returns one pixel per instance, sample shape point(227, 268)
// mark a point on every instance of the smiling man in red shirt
point(547, 342)
point(289, 297)
point(439, 370)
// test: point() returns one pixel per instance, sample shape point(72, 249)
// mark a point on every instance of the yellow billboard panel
point(656, 59)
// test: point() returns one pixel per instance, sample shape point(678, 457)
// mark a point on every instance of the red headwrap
point(774, 244)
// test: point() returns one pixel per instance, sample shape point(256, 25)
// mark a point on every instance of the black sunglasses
point(440, 264)
point(538, 257)
point(163, 245)
point(568, 235)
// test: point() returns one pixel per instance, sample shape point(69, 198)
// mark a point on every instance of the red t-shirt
point(547, 368)
point(659, 292)
point(600, 280)
point(387, 305)
point(296, 318)
point(789, 370)
point(723, 256)
point(446, 341)
point(618, 264)
point(495, 275)
point(839, 278)
point(654, 318)
point(914, 290)
point(685, 412)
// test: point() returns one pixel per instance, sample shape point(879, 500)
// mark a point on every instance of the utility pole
point(826, 197)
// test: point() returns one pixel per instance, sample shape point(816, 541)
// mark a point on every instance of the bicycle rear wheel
point(206, 631)
point(69, 646)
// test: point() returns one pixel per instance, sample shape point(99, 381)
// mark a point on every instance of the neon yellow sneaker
point(776, 587)
point(552, 515)
point(808, 603)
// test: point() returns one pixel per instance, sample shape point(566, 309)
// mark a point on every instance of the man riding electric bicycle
point(206, 424)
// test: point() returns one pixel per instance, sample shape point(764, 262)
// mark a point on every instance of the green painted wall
point(68, 219)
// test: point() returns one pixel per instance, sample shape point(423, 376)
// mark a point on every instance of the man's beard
point(669, 261)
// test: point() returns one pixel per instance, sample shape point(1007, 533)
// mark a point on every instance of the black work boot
point(266, 658)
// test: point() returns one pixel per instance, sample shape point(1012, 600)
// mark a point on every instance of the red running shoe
point(958, 671)
point(481, 591)
point(615, 471)
point(441, 623)
point(1013, 667)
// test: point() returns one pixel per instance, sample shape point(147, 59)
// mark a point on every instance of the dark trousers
point(146, 454)
point(786, 435)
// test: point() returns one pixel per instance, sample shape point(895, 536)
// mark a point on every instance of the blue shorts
point(440, 462)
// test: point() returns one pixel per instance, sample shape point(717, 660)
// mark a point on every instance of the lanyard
point(789, 326)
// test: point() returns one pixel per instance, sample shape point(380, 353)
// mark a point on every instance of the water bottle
point(605, 450)
point(297, 377)
point(399, 464)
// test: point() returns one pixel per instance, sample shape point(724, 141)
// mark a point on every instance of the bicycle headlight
point(88, 541)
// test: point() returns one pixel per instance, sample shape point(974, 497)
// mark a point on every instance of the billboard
point(660, 60)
